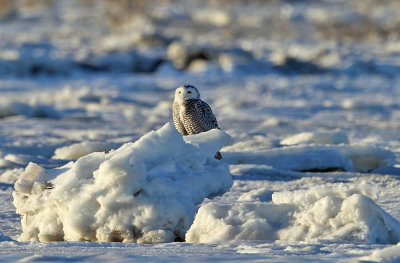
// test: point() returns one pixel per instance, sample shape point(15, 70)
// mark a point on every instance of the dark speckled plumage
point(193, 116)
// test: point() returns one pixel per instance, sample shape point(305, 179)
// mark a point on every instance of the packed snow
point(145, 192)
point(306, 96)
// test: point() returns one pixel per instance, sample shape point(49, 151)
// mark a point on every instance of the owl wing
point(206, 118)
point(177, 120)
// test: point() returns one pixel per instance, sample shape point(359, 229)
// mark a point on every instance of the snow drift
point(143, 192)
point(319, 213)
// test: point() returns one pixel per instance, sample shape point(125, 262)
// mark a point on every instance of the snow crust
point(143, 192)
point(318, 213)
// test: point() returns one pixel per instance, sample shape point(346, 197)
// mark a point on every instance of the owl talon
point(218, 156)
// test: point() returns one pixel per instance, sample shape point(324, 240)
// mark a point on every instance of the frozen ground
point(307, 90)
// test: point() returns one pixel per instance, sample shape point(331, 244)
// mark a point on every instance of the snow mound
point(320, 213)
point(77, 150)
point(359, 158)
point(145, 192)
point(337, 137)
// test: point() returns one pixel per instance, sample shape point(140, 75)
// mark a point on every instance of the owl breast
point(191, 118)
point(197, 116)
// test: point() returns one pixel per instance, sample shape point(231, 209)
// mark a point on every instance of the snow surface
point(389, 254)
point(307, 90)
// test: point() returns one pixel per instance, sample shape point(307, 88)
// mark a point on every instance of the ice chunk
point(320, 213)
point(294, 158)
point(366, 158)
point(360, 158)
point(33, 173)
point(146, 192)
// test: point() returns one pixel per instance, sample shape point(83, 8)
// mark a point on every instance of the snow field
point(308, 90)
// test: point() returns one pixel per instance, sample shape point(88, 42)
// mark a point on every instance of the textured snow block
point(146, 192)
point(320, 213)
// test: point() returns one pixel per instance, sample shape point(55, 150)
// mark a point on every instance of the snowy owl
point(191, 115)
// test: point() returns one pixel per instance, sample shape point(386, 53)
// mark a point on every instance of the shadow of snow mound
point(4, 237)
point(145, 192)
point(319, 213)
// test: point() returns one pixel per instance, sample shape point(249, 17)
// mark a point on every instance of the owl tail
point(218, 156)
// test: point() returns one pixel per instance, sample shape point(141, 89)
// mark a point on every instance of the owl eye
point(180, 92)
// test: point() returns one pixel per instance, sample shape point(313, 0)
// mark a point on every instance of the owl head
point(186, 92)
